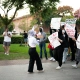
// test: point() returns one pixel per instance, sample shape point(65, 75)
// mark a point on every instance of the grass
point(17, 52)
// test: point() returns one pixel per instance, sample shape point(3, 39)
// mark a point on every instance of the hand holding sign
point(53, 38)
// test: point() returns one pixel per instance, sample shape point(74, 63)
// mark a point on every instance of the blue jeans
point(42, 46)
point(65, 54)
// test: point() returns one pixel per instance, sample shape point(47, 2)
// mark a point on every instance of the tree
point(36, 6)
point(7, 6)
point(62, 11)
point(77, 13)
point(46, 11)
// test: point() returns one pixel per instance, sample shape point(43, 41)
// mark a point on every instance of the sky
point(75, 4)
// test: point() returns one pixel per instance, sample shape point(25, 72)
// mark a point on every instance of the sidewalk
point(17, 70)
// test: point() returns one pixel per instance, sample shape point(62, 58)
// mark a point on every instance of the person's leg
point(31, 61)
point(60, 56)
point(65, 52)
point(73, 53)
point(77, 62)
point(40, 45)
point(8, 47)
point(56, 54)
point(44, 48)
point(38, 61)
point(5, 48)
point(51, 52)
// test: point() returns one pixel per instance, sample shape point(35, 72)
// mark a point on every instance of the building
point(22, 23)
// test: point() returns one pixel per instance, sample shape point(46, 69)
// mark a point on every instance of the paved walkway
point(17, 70)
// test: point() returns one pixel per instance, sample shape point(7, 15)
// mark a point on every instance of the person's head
point(41, 29)
point(63, 29)
point(24, 31)
point(31, 33)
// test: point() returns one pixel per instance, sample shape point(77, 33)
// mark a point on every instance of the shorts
point(25, 40)
point(6, 43)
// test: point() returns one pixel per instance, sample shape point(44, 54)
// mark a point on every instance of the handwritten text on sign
point(53, 38)
point(55, 23)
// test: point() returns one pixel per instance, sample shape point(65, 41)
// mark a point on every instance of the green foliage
point(66, 17)
point(78, 21)
point(14, 39)
point(18, 52)
point(33, 22)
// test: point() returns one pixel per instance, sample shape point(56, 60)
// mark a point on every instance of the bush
point(14, 39)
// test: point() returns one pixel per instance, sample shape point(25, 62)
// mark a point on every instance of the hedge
point(16, 40)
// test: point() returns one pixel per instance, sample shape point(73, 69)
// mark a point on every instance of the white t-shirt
point(32, 41)
point(7, 38)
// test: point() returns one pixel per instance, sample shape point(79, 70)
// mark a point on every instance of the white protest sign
point(70, 30)
point(53, 38)
point(71, 22)
point(78, 42)
point(55, 23)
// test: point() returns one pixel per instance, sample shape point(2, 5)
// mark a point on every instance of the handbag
point(50, 47)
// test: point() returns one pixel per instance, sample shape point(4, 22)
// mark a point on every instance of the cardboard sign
point(70, 30)
point(71, 22)
point(55, 23)
point(53, 38)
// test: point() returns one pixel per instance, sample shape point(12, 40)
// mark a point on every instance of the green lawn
point(17, 52)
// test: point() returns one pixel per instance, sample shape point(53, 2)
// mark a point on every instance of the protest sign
point(55, 23)
point(70, 30)
point(71, 22)
point(53, 38)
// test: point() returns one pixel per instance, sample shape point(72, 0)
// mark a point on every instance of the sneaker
point(75, 66)
point(63, 62)
point(51, 58)
point(58, 68)
point(5, 53)
point(29, 72)
point(40, 71)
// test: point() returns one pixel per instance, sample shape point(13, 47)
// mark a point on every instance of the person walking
point(42, 43)
point(58, 54)
point(66, 44)
point(7, 41)
point(77, 57)
point(72, 45)
point(51, 49)
point(32, 42)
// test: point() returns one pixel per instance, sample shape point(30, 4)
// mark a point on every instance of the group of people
point(61, 52)
point(36, 37)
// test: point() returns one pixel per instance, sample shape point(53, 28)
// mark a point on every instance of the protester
point(7, 41)
point(25, 38)
point(58, 54)
point(78, 49)
point(72, 45)
point(66, 44)
point(42, 43)
point(51, 49)
point(32, 42)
